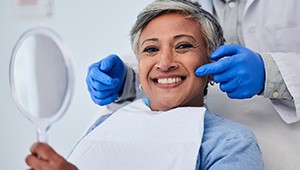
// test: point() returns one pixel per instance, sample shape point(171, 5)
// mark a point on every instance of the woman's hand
point(43, 157)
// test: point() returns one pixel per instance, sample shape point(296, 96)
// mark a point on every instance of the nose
point(166, 61)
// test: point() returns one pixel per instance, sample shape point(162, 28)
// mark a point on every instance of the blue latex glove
point(240, 71)
point(105, 79)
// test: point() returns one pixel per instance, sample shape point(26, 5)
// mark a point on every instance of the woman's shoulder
point(228, 145)
point(219, 126)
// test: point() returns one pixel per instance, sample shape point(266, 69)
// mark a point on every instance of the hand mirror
point(41, 78)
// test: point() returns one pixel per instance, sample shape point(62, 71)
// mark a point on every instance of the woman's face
point(171, 47)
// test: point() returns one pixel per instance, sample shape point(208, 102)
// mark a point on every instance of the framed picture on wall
point(32, 9)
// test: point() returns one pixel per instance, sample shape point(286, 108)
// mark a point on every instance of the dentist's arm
point(239, 70)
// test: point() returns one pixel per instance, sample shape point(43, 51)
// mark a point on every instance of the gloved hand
point(105, 79)
point(240, 71)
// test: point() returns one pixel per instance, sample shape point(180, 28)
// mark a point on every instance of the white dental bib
point(135, 138)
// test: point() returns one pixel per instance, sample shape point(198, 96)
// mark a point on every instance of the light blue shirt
point(225, 145)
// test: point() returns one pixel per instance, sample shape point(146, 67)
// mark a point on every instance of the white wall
point(92, 30)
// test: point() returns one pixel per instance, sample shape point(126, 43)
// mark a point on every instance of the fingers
point(100, 86)
point(99, 91)
point(225, 50)
point(108, 62)
point(100, 76)
point(101, 94)
point(239, 70)
point(42, 155)
point(44, 151)
point(104, 101)
point(224, 59)
point(239, 94)
point(214, 67)
point(99, 71)
point(105, 79)
point(230, 86)
point(36, 163)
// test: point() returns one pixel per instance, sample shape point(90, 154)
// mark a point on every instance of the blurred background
point(92, 30)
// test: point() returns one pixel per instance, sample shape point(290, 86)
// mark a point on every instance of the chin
point(165, 105)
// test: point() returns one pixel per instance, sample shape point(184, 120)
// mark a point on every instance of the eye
point(184, 46)
point(150, 49)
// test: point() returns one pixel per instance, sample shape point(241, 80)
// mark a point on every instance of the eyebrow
point(184, 35)
point(176, 37)
point(150, 39)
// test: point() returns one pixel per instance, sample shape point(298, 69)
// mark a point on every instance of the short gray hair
point(212, 31)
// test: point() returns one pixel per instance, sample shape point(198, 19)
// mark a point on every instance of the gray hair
point(212, 31)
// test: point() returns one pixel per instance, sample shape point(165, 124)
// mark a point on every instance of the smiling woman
point(171, 129)
point(168, 54)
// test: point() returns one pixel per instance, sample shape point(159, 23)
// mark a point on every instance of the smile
point(168, 80)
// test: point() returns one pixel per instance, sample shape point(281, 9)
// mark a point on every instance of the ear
point(211, 80)
point(210, 77)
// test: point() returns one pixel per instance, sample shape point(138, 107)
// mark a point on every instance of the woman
point(168, 52)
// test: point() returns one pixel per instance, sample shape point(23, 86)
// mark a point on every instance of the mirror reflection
point(41, 80)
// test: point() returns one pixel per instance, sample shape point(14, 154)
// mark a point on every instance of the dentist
point(265, 62)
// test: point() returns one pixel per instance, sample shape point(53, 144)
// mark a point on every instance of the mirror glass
point(41, 78)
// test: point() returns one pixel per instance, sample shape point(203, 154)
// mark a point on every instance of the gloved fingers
point(100, 86)
point(225, 76)
point(225, 51)
point(230, 86)
point(103, 102)
point(239, 94)
point(108, 62)
point(109, 99)
point(99, 76)
point(100, 94)
point(97, 64)
point(214, 67)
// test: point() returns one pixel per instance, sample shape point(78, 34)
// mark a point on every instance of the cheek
point(203, 81)
point(198, 87)
point(200, 80)
point(144, 70)
point(193, 65)
point(197, 59)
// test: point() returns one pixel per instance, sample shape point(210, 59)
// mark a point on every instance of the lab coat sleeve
point(128, 92)
point(288, 65)
point(275, 87)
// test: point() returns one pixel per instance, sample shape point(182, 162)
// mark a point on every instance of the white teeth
point(169, 80)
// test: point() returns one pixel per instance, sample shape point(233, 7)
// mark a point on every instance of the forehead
point(171, 24)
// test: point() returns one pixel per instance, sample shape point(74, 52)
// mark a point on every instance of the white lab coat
point(273, 26)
